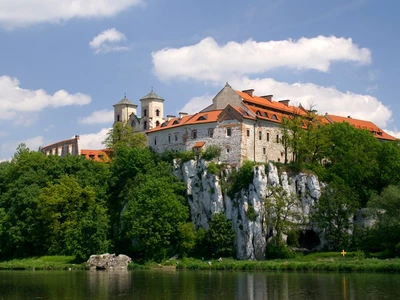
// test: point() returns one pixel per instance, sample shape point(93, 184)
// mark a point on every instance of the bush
point(211, 152)
point(278, 249)
point(220, 236)
point(187, 155)
point(212, 168)
point(242, 179)
point(251, 214)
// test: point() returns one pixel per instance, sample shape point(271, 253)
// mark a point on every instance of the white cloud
point(27, 103)
point(197, 103)
point(208, 61)
point(394, 133)
point(107, 41)
point(93, 140)
point(98, 117)
point(24, 12)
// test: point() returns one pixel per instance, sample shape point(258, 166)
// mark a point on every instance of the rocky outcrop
point(206, 196)
point(108, 261)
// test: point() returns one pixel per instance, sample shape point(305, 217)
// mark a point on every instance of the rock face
point(108, 261)
point(206, 197)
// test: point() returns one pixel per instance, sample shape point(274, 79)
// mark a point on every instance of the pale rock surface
point(108, 261)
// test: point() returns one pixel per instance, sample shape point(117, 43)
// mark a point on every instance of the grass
point(43, 263)
point(315, 262)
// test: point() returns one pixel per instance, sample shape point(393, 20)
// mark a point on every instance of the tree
point(334, 213)
point(220, 236)
point(74, 223)
point(153, 211)
point(385, 208)
point(388, 165)
point(122, 134)
point(281, 211)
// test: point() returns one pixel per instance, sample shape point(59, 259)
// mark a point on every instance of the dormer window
point(265, 115)
point(258, 113)
point(274, 117)
point(202, 118)
point(175, 122)
point(164, 124)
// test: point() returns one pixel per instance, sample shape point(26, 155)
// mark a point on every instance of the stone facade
point(63, 148)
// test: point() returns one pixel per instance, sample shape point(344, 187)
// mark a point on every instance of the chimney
point(267, 97)
point(77, 137)
point(169, 117)
point(286, 102)
point(249, 92)
point(182, 114)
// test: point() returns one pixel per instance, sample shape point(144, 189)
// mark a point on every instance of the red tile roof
point(361, 124)
point(199, 144)
point(97, 155)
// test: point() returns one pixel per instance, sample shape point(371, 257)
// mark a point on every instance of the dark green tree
point(122, 134)
point(334, 213)
point(220, 236)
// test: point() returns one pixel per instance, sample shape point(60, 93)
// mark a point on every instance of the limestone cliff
point(206, 196)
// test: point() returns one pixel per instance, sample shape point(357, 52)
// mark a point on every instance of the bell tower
point(123, 110)
point(152, 111)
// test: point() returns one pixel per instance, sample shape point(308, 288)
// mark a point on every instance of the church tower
point(152, 111)
point(123, 110)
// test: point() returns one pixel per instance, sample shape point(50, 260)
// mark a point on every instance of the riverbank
point(316, 262)
point(43, 263)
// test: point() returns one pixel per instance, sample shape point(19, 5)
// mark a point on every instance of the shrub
point(187, 155)
point(251, 213)
point(212, 168)
point(241, 179)
point(211, 152)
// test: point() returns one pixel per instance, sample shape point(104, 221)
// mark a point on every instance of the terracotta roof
point(199, 144)
point(269, 104)
point(97, 155)
point(361, 124)
point(199, 118)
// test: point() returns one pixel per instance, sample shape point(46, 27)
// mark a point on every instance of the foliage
point(74, 224)
point(281, 214)
point(220, 236)
point(187, 238)
point(211, 152)
point(277, 248)
point(386, 210)
point(251, 213)
point(334, 213)
point(187, 155)
point(213, 168)
point(123, 135)
point(241, 179)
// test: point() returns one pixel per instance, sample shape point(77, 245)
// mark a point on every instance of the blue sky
point(64, 63)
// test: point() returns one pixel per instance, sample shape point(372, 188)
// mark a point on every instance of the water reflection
point(151, 284)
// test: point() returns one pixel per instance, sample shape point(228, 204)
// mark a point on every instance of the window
point(248, 132)
point(265, 114)
point(157, 123)
point(194, 134)
point(274, 117)
point(277, 138)
point(157, 113)
point(91, 156)
point(258, 113)
point(264, 150)
point(175, 122)
point(267, 136)
point(117, 118)
point(155, 141)
point(133, 124)
point(260, 135)
point(211, 132)
point(176, 137)
point(169, 139)
point(144, 125)
point(227, 150)
point(202, 118)
point(229, 132)
point(145, 113)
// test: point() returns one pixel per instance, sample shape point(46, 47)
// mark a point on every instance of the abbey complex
point(243, 125)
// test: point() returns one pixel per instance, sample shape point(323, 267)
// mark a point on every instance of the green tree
point(385, 208)
point(122, 134)
point(334, 212)
point(388, 165)
point(281, 212)
point(187, 238)
point(74, 223)
point(220, 236)
point(153, 211)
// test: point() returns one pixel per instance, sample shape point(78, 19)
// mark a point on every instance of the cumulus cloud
point(24, 12)
point(324, 99)
point(99, 117)
point(394, 133)
point(107, 41)
point(93, 140)
point(209, 61)
point(16, 100)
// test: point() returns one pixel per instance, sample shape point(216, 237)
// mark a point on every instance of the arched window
point(133, 124)
point(265, 114)
point(157, 113)
point(157, 123)
point(144, 112)
point(117, 118)
point(258, 113)
point(274, 117)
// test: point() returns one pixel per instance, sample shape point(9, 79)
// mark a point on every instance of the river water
point(153, 284)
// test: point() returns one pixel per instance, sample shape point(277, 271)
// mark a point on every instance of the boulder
point(108, 261)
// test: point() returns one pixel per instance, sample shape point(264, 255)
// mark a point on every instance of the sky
point(64, 63)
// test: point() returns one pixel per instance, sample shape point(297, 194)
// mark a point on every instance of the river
point(179, 285)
